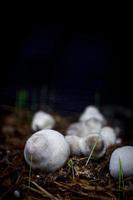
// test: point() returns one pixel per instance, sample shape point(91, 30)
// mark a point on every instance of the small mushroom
point(46, 150)
point(121, 158)
point(93, 125)
point(108, 135)
point(84, 145)
point(74, 143)
point(77, 129)
point(42, 120)
point(83, 129)
point(92, 112)
point(119, 140)
point(17, 193)
point(89, 142)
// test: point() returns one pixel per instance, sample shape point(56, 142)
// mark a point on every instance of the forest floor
point(75, 180)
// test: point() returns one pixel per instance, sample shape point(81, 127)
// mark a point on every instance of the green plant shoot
point(30, 170)
point(121, 179)
point(70, 164)
point(21, 99)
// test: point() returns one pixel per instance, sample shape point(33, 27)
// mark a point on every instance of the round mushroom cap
point(92, 112)
point(78, 129)
point(93, 125)
point(42, 120)
point(109, 136)
point(73, 142)
point(95, 141)
point(46, 150)
point(121, 159)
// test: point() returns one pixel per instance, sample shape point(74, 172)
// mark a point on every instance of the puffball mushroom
point(92, 112)
point(83, 129)
point(123, 155)
point(84, 145)
point(108, 135)
point(93, 125)
point(78, 129)
point(42, 120)
point(46, 150)
point(74, 143)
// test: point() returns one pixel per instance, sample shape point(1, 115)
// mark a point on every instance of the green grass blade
point(92, 151)
point(121, 178)
point(30, 170)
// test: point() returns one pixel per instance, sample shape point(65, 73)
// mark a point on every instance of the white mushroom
point(17, 194)
point(83, 129)
point(118, 140)
point(93, 125)
point(92, 112)
point(83, 146)
point(78, 129)
point(42, 120)
point(121, 159)
point(87, 144)
point(74, 143)
point(46, 150)
point(109, 136)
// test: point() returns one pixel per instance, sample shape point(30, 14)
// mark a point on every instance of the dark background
point(77, 62)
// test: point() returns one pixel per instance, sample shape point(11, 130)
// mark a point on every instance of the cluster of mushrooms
point(49, 150)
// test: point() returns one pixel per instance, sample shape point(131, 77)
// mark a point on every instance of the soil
point(75, 180)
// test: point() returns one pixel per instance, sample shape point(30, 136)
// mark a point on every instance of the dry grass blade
point(40, 192)
point(35, 190)
point(85, 185)
point(36, 198)
point(88, 195)
point(49, 195)
point(68, 187)
point(82, 184)
point(111, 195)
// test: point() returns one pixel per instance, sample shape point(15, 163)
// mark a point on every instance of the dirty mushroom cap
point(109, 136)
point(42, 120)
point(92, 112)
point(88, 143)
point(74, 143)
point(93, 125)
point(78, 129)
point(84, 145)
point(46, 150)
